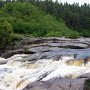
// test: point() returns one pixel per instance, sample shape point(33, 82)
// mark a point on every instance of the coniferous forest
point(46, 18)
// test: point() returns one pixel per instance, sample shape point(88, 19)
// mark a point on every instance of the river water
point(15, 74)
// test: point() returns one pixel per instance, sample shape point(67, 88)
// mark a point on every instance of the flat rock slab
point(62, 84)
point(36, 45)
point(81, 42)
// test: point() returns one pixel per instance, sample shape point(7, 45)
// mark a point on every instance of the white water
point(15, 75)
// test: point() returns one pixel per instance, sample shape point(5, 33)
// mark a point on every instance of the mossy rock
point(88, 59)
point(70, 62)
point(75, 62)
point(78, 63)
point(87, 85)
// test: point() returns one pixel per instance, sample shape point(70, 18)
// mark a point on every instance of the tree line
point(38, 18)
point(17, 19)
point(76, 17)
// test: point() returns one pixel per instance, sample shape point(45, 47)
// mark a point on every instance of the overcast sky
point(78, 1)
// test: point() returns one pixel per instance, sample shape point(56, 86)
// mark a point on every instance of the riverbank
point(29, 45)
point(46, 64)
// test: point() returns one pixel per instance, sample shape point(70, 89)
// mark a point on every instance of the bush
point(85, 33)
point(27, 19)
point(5, 33)
point(87, 85)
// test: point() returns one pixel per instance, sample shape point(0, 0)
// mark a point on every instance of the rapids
point(15, 74)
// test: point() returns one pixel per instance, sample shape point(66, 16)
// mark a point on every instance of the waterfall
point(15, 74)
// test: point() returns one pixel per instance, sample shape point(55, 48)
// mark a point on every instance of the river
point(48, 63)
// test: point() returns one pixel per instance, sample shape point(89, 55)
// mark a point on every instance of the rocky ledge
point(54, 44)
point(78, 43)
point(37, 45)
point(81, 83)
point(55, 48)
point(61, 84)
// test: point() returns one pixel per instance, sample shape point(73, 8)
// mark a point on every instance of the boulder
point(86, 75)
point(13, 52)
point(75, 62)
point(3, 62)
point(62, 84)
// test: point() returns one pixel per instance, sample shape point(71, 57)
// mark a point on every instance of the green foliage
point(85, 33)
point(27, 19)
point(87, 85)
point(75, 17)
point(5, 33)
point(18, 18)
point(30, 19)
point(16, 37)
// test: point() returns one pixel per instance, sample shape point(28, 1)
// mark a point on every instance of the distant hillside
point(27, 19)
point(75, 16)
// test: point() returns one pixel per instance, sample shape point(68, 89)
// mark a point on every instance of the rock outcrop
point(61, 84)
point(49, 64)
point(32, 45)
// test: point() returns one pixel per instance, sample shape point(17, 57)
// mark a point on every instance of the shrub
point(5, 33)
point(85, 33)
point(28, 19)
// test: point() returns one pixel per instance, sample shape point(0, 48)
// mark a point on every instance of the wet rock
point(77, 84)
point(62, 84)
point(88, 59)
point(76, 62)
point(38, 86)
point(73, 45)
point(65, 45)
point(86, 75)
point(20, 51)
point(3, 62)
point(37, 45)
point(55, 87)
point(40, 49)
point(47, 48)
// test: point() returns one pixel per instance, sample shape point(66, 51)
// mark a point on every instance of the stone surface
point(62, 84)
point(3, 62)
point(56, 48)
point(87, 75)
point(75, 62)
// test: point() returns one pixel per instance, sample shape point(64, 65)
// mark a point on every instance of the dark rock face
point(87, 85)
point(62, 84)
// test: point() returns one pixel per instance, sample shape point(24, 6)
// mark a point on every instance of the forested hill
point(18, 19)
point(42, 19)
point(75, 16)
point(27, 19)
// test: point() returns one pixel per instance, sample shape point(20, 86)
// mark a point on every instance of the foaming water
point(15, 74)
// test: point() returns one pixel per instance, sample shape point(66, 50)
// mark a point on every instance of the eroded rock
point(76, 62)
point(62, 84)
